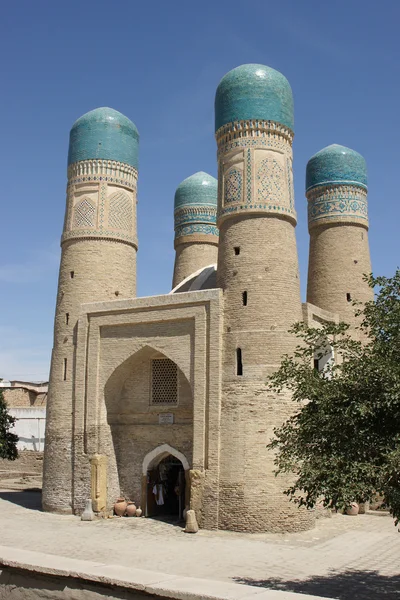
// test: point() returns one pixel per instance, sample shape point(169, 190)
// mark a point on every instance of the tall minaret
point(98, 263)
point(258, 272)
point(196, 233)
point(336, 189)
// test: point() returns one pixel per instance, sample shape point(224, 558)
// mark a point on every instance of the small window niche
point(72, 274)
point(244, 298)
point(237, 250)
point(66, 318)
point(239, 363)
point(348, 297)
point(65, 370)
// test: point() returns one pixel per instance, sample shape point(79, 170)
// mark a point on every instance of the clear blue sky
point(159, 63)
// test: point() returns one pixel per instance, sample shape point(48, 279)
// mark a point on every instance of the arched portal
point(149, 405)
point(165, 487)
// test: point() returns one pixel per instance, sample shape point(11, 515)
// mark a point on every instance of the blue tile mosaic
point(104, 133)
point(254, 92)
point(336, 164)
point(199, 189)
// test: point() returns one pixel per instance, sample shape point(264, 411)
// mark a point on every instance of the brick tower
point(258, 272)
point(196, 233)
point(98, 262)
point(336, 189)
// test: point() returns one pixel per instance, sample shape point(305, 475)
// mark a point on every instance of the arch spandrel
point(140, 353)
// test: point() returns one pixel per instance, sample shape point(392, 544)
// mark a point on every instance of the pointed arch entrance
point(165, 482)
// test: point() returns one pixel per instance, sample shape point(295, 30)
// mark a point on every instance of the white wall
point(29, 427)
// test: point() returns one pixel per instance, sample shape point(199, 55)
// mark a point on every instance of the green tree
point(342, 443)
point(8, 440)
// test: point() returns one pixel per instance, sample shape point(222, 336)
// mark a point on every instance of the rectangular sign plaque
point(165, 418)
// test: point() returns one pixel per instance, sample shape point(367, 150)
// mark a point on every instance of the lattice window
point(270, 181)
point(120, 215)
point(164, 381)
point(84, 214)
point(233, 186)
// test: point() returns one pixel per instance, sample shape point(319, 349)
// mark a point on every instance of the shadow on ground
point(347, 585)
point(31, 498)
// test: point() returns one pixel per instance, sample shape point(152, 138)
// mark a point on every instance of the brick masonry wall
point(23, 398)
point(339, 256)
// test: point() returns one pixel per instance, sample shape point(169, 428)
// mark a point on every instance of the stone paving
point(350, 558)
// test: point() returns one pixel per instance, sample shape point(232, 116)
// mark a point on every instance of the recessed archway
point(165, 482)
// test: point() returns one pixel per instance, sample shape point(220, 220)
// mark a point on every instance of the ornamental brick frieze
point(239, 130)
point(101, 205)
point(88, 171)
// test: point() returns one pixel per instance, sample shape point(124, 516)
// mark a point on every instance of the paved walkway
point(351, 558)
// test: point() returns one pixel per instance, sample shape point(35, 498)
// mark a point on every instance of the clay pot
point(352, 509)
point(130, 510)
point(139, 512)
point(120, 507)
point(363, 508)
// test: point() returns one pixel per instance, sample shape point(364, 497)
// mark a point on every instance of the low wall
point(29, 426)
point(26, 575)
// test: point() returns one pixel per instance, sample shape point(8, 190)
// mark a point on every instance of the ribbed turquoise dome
point(336, 164)
point(254, 92)
point(106, 134)
point(199, 189)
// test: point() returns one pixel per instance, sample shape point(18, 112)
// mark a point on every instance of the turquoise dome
point(104, 133)
point(254, 92)
point(199, 189)
point(336, 164)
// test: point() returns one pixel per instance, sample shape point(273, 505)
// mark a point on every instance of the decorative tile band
point(340, 203)
point(199, 228)
point(253, 180)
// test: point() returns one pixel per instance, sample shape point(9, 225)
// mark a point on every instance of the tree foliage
point(343, 442)
point(8, 440)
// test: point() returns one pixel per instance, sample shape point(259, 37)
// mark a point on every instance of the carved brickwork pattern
point(120, 214)
point(84, 214)
point(233, 186)
point(269, 181)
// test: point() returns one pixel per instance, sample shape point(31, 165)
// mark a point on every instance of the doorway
point(166, 489)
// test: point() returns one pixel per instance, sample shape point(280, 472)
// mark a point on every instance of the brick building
point(163, 399)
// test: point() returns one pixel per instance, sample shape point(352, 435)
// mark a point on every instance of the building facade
point(163, 400)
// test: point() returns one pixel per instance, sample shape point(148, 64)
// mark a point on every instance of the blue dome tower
point(259, 275)
point(196, 232)
point(98, 263)
point(336, 190)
